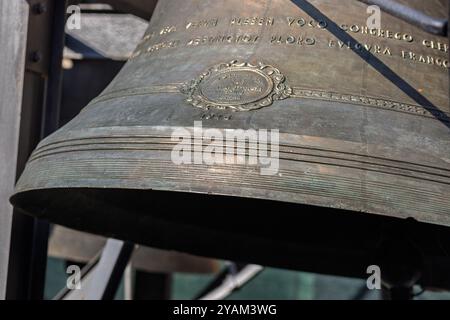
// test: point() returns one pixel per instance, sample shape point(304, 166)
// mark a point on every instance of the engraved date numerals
point(215, 116)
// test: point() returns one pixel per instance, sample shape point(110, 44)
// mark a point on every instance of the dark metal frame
point(40, 108)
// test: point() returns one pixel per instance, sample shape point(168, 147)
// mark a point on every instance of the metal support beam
point(13, 37)
point(433, 25)
point(39, 117)
point(101, 279)
point(235, 276)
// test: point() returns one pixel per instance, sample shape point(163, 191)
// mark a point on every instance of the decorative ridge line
point(157, 164)
point(344, 186)
point(371, 102)
point(383, 168)
point(298, 92)
point(161, 140)
point(310, 162)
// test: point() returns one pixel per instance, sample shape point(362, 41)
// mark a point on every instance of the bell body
point(356, 121)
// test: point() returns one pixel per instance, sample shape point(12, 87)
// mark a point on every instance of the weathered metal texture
point(364, 127)
point(13, 36)
point(82, 247)
point(112, 36)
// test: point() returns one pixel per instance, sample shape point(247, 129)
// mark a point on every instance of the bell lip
point(15, 201)
point(267, 237)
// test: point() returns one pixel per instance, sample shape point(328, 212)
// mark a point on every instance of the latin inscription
point(154, 41)
point(411, 56)
point(292, 39)
point(378, 33)
point(436, 45)
point(360, 47)
point(252, 21)
point(301, 22)
point(201, 24)
point(223, 39)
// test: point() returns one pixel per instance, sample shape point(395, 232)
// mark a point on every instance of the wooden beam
point(13, 39)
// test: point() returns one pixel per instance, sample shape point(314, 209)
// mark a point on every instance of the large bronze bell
point(363, 137)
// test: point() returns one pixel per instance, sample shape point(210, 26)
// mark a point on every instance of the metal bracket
point(39, 43)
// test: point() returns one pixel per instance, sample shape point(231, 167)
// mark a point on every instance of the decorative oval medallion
point(237, 86)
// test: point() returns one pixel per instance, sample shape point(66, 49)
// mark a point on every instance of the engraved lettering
point(236, 39)
point(168, 29)
point(379, 33)
point(252, 21)
point(425, 59)
point(360, 47)
point(354, 28)
point(300, 22)
point(162, 45)
point(435, 45)
point(202, 24)
point(291, 39)
point(290, 21)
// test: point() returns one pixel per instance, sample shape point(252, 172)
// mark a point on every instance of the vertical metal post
point(13, 36)
point(39, 117)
